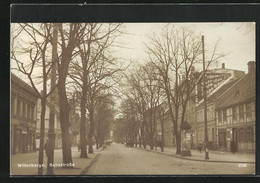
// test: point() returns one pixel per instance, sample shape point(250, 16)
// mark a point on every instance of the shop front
point(23, 140)
point(237, 139)
point(222, 139)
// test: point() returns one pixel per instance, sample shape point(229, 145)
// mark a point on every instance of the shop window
point(234, 113)
point(241, 112)
point(248, 110)
point(249, 134)
point(241, 135)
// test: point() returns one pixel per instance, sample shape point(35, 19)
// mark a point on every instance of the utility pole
point(51, 132)
point(205, 102)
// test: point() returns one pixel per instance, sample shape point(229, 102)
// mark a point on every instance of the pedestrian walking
point(199, 147)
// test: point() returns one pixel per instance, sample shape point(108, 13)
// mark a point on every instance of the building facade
point(23, 116)
point(235, 114)
point(57, 129)
point(217, 82)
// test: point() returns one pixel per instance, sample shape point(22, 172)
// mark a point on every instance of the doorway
point(234, 138)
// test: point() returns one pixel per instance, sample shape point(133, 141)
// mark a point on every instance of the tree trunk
point(144, 141)
point(41, 148)
point(178, 143)
point(140, 140)
point(162, 142)
point(151, 142)
point(143, 133)
point(91, 131)
point(64, 122)
point(83, 152)
point(101, 141)
point(97, 142)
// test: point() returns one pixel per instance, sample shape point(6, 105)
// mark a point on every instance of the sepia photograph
point(151, 98)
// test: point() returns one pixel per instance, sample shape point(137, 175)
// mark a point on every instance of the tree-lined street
point(89, 93)
point(120, 160)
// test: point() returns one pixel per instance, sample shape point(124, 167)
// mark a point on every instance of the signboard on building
point(213, 80)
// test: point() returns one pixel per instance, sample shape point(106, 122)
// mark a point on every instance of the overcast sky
point(236, 39)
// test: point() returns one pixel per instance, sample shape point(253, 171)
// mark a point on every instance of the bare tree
point(129, 121)
point(31, 52)
point(71, 35)
point(174, 53)
point(103, 119)
point(144, 95)
point(133, 91)
point(95, 71)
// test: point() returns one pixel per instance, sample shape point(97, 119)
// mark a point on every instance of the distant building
point(235, 114)
point(23, 116)
point(217, 82)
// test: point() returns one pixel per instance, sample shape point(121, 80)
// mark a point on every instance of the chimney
point(223, 65)
point(251, 67)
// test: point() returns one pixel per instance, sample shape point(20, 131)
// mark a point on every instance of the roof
point(220, 91)
point(22, 84)
point(241, 91)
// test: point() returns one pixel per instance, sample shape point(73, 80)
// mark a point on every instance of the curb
point(84, 171)
point(202, 160)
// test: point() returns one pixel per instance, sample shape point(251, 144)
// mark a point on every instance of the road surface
point(120, 160)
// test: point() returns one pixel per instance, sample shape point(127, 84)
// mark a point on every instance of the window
point(18, 106)
point(241, 112)
point(237, 93)
point(234, 113)
point(241, 135)
point(32, 113)
point(225, 115)
point(248, 110)
point(249, 134)
point(219, 117)
point(24, 109)
point(28, 111)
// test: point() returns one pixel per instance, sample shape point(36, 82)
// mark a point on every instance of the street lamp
point(51, 132)
point(205, 101)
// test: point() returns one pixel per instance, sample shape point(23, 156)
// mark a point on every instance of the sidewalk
point(80, 164)
point(214, 156)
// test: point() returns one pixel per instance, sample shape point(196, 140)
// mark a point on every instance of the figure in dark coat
point(199, 147)
point(233, 147)
point(46, 148)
